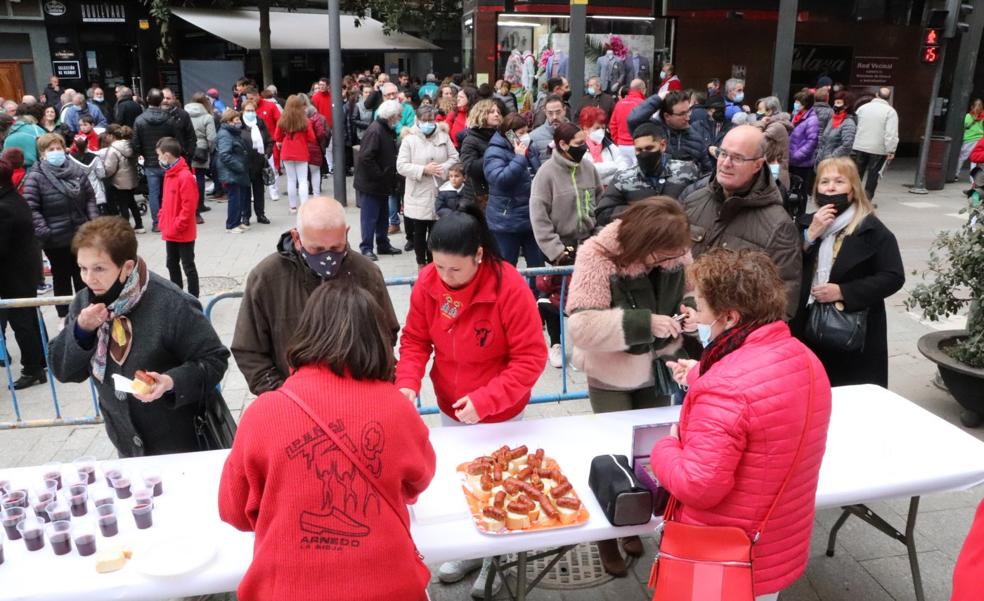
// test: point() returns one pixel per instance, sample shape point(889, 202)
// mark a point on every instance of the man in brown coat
point(278, 288)
point(741, 208)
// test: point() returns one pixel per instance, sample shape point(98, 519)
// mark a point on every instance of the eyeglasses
point(686, 113)
point(723, 155)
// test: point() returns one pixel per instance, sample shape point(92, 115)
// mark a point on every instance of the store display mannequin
point(528, 75)
point(611, 71)
point(514, 67)
point(557, 65)
point(639, 67)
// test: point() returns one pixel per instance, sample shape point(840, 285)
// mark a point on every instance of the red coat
point(313, 512)
point(294, 145)
point(618, 125)
point(492, 350)
point(969, 571)
point(322, 102)
point(977, 154)
point(178, 204)
point(269, 113)
point(740, 427)
point(458, 124)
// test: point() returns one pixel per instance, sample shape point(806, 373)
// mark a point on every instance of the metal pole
point(782, 66)
point(579, 15)
point(337, 114)
point(919, 187)
point(963, 85)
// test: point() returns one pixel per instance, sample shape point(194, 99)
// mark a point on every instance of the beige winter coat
point(416, 150)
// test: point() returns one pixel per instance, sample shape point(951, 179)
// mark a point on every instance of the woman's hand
point(827, 293)
point(410, 394)
point(162, 384)
point(465, 411)
point(432, 169)
point(92, 317)
point(680, 370)
point(519, 148)
point(821, 221)
point(675, 431)
point(689, 318)
point(664, 326)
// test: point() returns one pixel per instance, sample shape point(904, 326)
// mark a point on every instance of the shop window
point(26, 9)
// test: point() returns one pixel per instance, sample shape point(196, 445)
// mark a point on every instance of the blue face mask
point(797, 107)
point(55, 157)
point(590, 91)
point(427, 128)
point(249, 118)
point(704, 332)
point(739, 96)
point(166, 166)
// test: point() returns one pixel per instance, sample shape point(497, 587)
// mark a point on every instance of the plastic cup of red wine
point(143, 515)
point(111, 471)
point(142, 493)
point(106, 518)
point(84, 537)
point(78, 499)
point(53, 471)
point(86, 466)
point(5, 487)
point(60, 537)
point(59, 511)
point(122, 486)
point(101, 495)
point(31, 530)
point(152, 479)
point(14, 498)
point(10, 518)
point(1, 548)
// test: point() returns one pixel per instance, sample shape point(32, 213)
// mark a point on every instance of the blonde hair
point(479, 114)
point(846, 167)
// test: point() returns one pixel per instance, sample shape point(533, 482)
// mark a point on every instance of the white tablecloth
point(879, 446)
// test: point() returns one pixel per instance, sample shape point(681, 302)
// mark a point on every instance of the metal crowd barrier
point(96, 417)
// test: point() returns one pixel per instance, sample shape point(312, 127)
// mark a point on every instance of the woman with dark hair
point(465, 99)
point(804, 139)
point(475, 315)
point(21, 257)
point(837, 139)
point(128, 319)
point(757, 411)
point(507, 171)
point(341, 371)
point(628, 285)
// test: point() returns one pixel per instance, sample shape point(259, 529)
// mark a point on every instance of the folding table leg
point(910, 545)
point(521, 576)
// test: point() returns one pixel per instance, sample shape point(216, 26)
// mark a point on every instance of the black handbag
point(215, 427)
point(200, 155)
point(269, 177)
point(830, 328)
point(623, 498)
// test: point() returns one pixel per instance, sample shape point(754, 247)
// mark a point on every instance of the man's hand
point(664, 326)
point(890, 157)
point(465, 411)
point(93, 316)
point(162, 385)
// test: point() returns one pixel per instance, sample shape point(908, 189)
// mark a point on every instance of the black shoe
point(408, 246)
point(29, 379)
point(370, 255)
point(199, 220)
point(262, 219)
point(155, 229)
point(206, 209)
point(392, 250)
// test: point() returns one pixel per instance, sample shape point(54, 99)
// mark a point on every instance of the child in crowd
point(87, 129)
point(15, 156)
point(91, 161)
point(449, 194)
point(179, 204)
point(121, 175)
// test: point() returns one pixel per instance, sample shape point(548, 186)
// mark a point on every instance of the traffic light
point(932, 37)
point(956, 12)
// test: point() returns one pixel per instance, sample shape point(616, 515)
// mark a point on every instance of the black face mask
point(840, 201)
point(110, 296)
point(567, 96)
point(650, 162)
point(840, 109)
point(577, 152)
point(719, 116)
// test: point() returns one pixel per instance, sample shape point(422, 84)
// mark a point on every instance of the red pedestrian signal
point(930, 55)
point(932, 37)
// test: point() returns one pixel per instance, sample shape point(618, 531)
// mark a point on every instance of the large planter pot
point(965, 383)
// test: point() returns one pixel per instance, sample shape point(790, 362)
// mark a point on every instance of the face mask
point(110, 296)
point(525, 139)
point(774, 169)
point(739, 96)
point(577, 152)
point(719, 116)
point(325, 265)
point(840, 201)
point(797, 107)
point(567, 96)
point(55, 157)
point(711, 91)
point(591, 91)
point(760, 115)
point(249, 118)
point(427, 128)
point(597, 136)
point(839, 109)
point(98, 99)
point(704, 332)
point(662, 74)
point(166, 166)
point(649, 161)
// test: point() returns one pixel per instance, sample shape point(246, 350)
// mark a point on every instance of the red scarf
point(838, 118)
point(725, 342)
point(799, 116)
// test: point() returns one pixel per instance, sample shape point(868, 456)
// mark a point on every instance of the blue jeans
point(394, 210)
point(509, 245)
point(372, 218)
point(155, 190)
point(234, 216)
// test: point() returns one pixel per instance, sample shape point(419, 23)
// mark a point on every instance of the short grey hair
point(391, 87)
point(389, 109)
point(771, 104)
point(426, 112)
point(124, 92)
point(731, 84)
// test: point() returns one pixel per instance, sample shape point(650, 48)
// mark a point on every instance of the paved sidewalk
point(867, 566)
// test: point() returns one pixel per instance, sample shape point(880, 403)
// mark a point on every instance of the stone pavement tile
point(841, 578)
point(952, 500)
point(862, 541)
point(619, 589)
point(800, 590)
point(947, 528)
point(895, 574)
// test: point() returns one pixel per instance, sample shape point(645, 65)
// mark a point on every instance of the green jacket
point(973, 128)
point(25, 136)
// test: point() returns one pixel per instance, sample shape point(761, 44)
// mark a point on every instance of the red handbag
point(711, 563)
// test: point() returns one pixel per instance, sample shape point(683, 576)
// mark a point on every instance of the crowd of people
point(694, 281)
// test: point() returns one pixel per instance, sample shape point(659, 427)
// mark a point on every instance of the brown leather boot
point(633, 546)
point(611, 558)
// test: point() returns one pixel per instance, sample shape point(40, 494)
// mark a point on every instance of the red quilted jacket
point(740, 426)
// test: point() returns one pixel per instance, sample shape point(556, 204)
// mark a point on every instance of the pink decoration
point(618, 47)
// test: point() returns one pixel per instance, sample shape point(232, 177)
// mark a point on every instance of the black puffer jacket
point(127, 111)
point(472, 156)
point(61, 200)
point(155, 123)
point(375, 167)
point(20, 254)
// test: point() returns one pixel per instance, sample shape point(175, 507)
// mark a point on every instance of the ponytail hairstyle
point(462, 233)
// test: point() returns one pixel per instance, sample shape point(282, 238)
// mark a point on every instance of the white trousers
point(297, 175)
point(314, 172)
point(329, 155)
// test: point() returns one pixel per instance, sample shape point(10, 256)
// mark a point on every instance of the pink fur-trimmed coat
point(602, 333)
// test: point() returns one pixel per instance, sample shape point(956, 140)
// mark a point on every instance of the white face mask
point(525, 139)
point(597, 136)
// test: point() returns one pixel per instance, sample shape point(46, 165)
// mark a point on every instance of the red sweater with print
point(179, 203)
point(486, 339)
point(321, 530)
point(294, 145)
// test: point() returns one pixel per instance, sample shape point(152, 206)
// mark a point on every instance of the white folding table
point(880, 446)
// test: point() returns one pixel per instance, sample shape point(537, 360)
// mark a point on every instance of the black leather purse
point(829, 327)
point(215, 427)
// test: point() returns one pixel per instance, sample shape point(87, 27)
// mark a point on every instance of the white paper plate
point(171, 557)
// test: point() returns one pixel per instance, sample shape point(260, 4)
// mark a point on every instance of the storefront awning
point(298, 31)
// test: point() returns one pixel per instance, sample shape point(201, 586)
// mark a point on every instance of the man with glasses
point(685, 146)
point(741, 208)
point(542, 137)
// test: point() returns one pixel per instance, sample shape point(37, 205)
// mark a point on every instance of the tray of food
point(513, 490)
